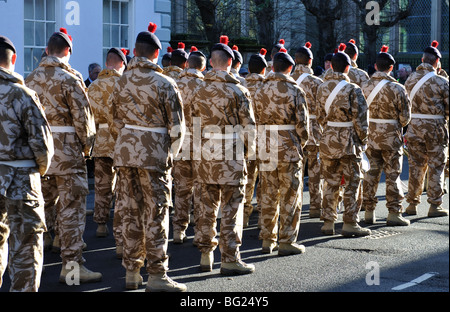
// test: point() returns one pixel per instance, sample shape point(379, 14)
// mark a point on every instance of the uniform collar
point(192, 72)
point(11, 76)
point(426, 67)
point(221, 75)
point(254, 77)
point(332, 75)
point(143, 62)
point(105, 73)
point(301, 69)
point(382, 75)
point(279, 77)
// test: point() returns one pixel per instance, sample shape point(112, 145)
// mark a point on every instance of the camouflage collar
point(279, 77)
point(11, 76)
point(354, 64)
point(108, 73)
point(332, 75)
point(192, 72)
point(172, 68)
point(254, 77)
point(220, 75)
point(382, 75)
point(301, 69)
point(426, 67)
point(143, 62)
point(53, 61)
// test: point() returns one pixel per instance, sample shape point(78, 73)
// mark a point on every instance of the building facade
point(95, 26)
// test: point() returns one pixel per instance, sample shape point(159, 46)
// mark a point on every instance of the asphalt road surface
point(393, 259)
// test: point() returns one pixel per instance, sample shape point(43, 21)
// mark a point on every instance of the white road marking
point(416, 281)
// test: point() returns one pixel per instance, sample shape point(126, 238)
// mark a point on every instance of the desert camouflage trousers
point(423, 157)
point(281, 198)
point(230, 198)
point(391, 162)
point(315, 183)
point(144, 196)
point(184, 194)
point(22, 224)
point(332, 171)
point(252, 169)
point(65, 197)
point(105, 179)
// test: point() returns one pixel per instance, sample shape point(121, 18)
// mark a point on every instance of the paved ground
point(393, 259)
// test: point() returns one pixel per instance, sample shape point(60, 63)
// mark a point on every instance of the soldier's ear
point(14, 59)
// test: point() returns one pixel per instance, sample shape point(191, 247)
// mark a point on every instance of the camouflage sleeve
point(83, 118)
point(404, 106)
point(114, 122)
point(445, 94)
point(248, 122)
point(176, 123)
point(302, 116)
point(40, 137)
point(360, 115)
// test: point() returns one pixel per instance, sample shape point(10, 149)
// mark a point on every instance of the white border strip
point(416, 281)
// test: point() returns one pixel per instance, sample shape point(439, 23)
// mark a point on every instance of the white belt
point(383, 121)
point(279, 127)
point(28, 163)
point(219, 136)
point(340, 124)
point(427, 116)
point(103, 126)
point(312, 117)
point(62, 129)
point(157, 130)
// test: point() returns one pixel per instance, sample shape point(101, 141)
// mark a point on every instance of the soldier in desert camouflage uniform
point(281, 104)
point(355, 74)
point(390, 111)
point(68, 111)
point(221, 102)
point(343, 112)
point(309, 83)
point(257, 68)
point(105, 175)
point(26, 149)
point(237, 63)
point(178, 62)
point(276, 48)
point(148, 127)
point(427, 134)
point(183, 177)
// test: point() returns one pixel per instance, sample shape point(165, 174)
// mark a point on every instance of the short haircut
point(280, 66)
point(301, 58)
point(220, 58)
point(111, 59)
point(56, 45)
point(145, 49)
point(351, 50)
point(383, 64)
point(177, 60)
point(339, 63)
point(6, 55)
point(255, 67)
point(235, 63)
point(196, 61)
point(429, 58)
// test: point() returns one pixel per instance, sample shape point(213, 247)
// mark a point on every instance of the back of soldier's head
point(178, 59)
point(339, 62)
point(220, 58)
point(255, 67)
point(429, 58)
point(144, 49)
point(6, 55)
point(113, 60)
point(197, 61)
point(56, 45)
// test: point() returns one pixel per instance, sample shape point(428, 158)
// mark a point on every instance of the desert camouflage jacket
point(280, 101)
point(349, 106)
point(66, 104)
point(253, 82)
point(99, 92)
point(221, 108)
point(430, 99)
point(189, 80)
point(172, 71)
point(309, 85)
point(357, 75)
point(24, 135)
point(147, 118)
point(391, 103)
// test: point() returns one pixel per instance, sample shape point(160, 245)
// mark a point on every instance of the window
point(116, 25)
point(40, 24)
